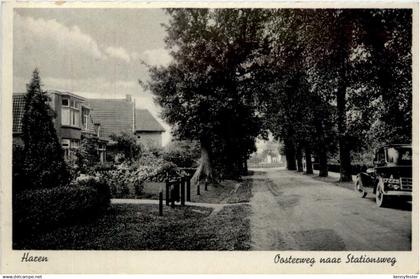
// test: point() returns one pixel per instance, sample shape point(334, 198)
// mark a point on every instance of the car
point(391, 175)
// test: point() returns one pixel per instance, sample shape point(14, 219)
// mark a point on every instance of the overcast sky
point(95, 53)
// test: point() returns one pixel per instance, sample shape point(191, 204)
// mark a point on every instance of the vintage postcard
point(209, 138)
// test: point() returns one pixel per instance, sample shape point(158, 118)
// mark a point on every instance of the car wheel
point(359, 188)
point(381, 199)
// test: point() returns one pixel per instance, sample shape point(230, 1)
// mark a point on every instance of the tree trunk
point(205, 168)
point(343, 61)
point(308, 159)
point(290, 154)
point(323, 164)
point(345, 161)
point(245, 166)
point(299, 159)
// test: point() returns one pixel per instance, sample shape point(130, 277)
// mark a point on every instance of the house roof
point(66, 93)
point(146, 122)
point(114, 115)
point(18, 110)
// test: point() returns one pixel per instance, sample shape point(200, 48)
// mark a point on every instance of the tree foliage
point(207, 93)
point(126, 145)
point(327, 82)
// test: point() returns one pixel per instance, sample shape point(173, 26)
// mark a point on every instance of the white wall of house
point(149, 139)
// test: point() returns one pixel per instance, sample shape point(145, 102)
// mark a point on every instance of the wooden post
point(167, 192)
point(160, 203)
point(172, 195)
point(177, 188)
point(188, 188)
point(182, 191)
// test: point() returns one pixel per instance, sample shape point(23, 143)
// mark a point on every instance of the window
point(70, 115)
point(65, 102)
point(75, 144)
point(380, 156)
point(65, 144)
point(85, 118)
point(65, 116)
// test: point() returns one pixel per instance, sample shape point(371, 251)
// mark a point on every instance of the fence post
point(167, 192)
point(172, 195)
point(182, 191)
point(177, 188)
point(160, 203)
point(188, 188)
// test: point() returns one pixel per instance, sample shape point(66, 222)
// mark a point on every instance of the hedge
point(46, 209)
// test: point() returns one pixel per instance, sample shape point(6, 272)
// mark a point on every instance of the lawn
point(138, 227)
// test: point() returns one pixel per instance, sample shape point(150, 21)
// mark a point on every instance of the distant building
point(121, 116)
point(115, 115)
point(73, 121)
point(147, 129)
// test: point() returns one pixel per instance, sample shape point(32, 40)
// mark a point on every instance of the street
point(292, 211)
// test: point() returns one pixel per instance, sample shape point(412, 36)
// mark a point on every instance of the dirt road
point(291, 211)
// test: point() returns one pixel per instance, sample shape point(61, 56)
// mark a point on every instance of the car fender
point(379, 182)
point(366, 180)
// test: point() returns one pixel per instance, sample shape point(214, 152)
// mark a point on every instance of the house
point(121, 116)
point(73, 121)
point(115, 115)
point(148, 130)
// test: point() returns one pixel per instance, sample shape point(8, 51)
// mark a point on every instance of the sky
point(95, 53)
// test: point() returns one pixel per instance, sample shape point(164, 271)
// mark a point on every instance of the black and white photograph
point(215, 129)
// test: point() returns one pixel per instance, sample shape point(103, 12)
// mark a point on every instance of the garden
point(75, 203)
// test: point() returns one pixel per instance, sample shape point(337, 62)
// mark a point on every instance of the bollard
point(188, 188)
point(205, 185)
point(160, 203)
point(182, 191)
point(198, 188)
point(167, 192)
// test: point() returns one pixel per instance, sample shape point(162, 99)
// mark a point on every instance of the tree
point(126, 145)
point(207, 93)
point(87, 155)
point(44, 164)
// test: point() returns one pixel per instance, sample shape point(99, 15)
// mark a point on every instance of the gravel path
point(291, 211)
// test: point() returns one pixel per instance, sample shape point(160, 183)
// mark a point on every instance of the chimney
point(128, 98)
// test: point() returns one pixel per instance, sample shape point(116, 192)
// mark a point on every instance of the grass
point(138, 227)
point(243, 193)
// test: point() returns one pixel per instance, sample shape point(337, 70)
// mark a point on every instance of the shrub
point(182, 153)
point(127, 179)
point(126, 145)
point(119, 179)
point(46, 209)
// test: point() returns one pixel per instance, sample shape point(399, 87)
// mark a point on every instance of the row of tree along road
point(330, 83)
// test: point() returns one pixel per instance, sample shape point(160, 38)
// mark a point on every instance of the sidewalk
point(150, 201)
